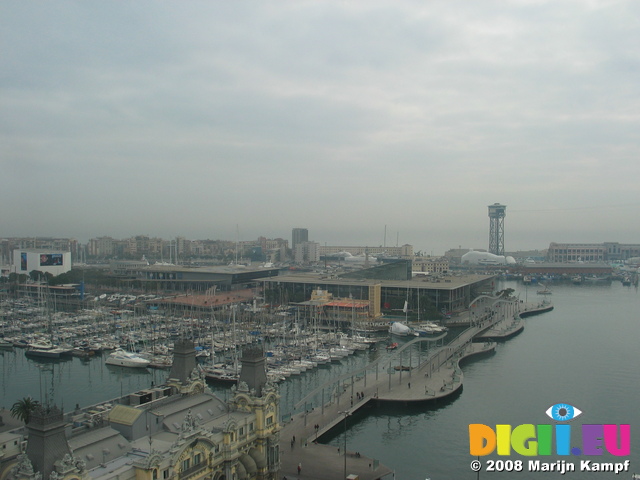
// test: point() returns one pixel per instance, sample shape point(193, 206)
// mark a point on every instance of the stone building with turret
point(178, 431)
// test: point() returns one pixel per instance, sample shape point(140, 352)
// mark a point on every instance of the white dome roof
point(486, 258)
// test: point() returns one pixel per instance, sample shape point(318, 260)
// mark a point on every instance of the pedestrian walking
point(299, 468)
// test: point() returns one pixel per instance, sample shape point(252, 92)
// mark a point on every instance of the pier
point(391, 378)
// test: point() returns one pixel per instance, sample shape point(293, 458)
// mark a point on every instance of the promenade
point(436, 377)
point(424, 383)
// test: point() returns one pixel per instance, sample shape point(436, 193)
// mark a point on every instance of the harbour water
point(584, 353)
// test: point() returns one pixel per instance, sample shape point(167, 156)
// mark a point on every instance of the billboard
point(49, 259)
point(23, 261)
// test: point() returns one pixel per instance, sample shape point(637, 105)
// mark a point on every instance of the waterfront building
point(177, 431)
point(385, 287)
point(123, 268)
point(430, 265)
point(556, 269)
point(404, 251)
point(322, 300)
point(8, 245)
point(55, 262)
point(591, 252)
point(473, 258)
point(181, 278)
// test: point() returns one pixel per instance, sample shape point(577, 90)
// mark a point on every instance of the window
point(154, 474)
point(186, 464)
point(165, 474)
point(241, 431)
point(269, 419)
point(251, 427)
point(197, 458)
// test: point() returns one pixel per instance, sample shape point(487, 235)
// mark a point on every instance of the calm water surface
point(585, 353)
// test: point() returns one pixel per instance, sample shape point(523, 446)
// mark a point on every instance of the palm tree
point(23, 409)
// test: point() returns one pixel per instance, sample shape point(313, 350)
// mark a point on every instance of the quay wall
point(536, 311)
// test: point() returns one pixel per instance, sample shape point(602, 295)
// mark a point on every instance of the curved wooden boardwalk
point(436, 377)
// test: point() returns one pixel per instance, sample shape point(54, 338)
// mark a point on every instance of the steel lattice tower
point(497, 213)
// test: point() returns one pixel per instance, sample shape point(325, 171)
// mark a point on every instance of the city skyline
point(158, 247)
point(239, 120)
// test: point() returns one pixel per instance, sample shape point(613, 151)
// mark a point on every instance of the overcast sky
point(211, 119)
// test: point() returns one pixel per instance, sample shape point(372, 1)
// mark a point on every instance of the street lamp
point(346, 414)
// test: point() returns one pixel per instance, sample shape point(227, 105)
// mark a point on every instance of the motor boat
point(122, 358)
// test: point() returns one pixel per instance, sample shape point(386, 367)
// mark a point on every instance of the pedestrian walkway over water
point(391, 378)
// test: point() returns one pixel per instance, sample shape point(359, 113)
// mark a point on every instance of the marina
point(431, 364)
point(292, 345)
point(65, 381)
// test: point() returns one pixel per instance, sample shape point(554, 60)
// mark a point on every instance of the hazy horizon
point(240, 119)
point(390, 240)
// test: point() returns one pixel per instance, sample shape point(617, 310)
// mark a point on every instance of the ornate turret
point(185, 376)
point(256, 394)
point(184, 360)
point(254, 371)
point(47, 440)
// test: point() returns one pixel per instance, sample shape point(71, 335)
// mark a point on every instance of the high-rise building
point(307, 252)
point(299, 235)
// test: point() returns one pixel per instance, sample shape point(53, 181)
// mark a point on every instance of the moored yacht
point(46, 349)
point(221, 372)
point(430, 328)
point(122, 358)
point(399, 329)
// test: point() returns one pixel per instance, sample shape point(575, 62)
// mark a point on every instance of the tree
point(36, 275)
point(23, 409)
point(506, 293)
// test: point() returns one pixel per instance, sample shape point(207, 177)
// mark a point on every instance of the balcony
point(192, 472)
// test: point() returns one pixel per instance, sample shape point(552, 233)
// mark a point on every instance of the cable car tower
point(497, 213)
